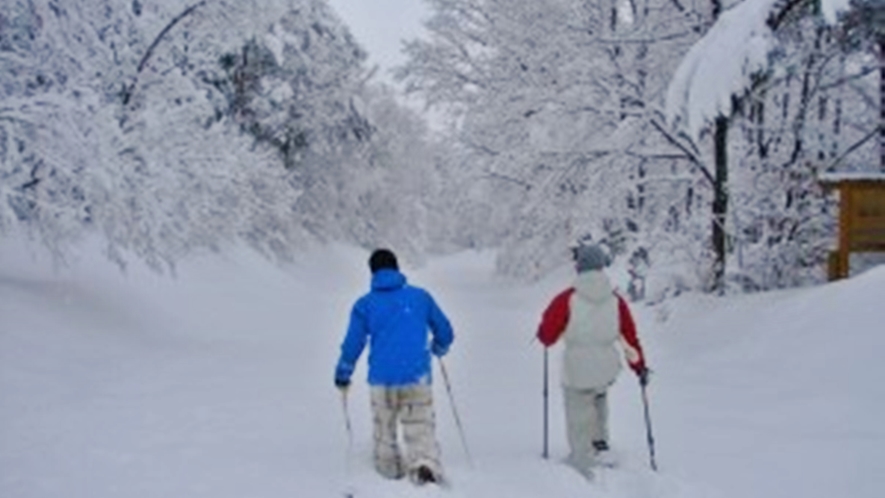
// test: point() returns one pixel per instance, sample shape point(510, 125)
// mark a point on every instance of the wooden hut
point(861, 217)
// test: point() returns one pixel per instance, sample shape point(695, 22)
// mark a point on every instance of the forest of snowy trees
point(167, 128)
point(170, 127)
point(612, 120)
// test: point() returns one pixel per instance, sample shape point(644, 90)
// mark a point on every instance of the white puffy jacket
point(591, 359)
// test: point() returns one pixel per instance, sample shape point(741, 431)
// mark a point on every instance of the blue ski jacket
point(394, 318)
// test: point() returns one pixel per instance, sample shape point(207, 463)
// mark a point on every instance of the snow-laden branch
point(719, 66)
point(722, 63)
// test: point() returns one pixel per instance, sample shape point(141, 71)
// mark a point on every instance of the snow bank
point(219, 384)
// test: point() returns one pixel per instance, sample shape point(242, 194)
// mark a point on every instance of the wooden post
point(834, 270)
point(845, 212)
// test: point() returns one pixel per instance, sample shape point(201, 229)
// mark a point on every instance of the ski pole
point(651, 439)
point(349, 492)
point(445, 374)
point(545, 452)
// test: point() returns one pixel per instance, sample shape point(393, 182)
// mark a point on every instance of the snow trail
point(219, 384)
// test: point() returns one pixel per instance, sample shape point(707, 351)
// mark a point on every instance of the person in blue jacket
point(403, 326)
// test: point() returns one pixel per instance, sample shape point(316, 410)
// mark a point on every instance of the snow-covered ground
point(218, 383)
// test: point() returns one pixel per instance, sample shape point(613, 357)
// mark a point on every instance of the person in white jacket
point(593, 321)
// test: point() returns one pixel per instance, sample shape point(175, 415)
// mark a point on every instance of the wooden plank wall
point(861, 223)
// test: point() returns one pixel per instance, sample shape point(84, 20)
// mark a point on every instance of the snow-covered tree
point(294, 87)
point(863, 29)
point(127, 118)
point(551, 101)
point(559, 114)
point(796, 102)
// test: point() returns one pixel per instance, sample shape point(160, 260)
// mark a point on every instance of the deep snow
point(218, 383)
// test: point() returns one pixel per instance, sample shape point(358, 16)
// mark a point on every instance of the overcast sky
point(380, 25)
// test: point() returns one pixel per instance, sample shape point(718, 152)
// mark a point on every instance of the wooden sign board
point(861, 217)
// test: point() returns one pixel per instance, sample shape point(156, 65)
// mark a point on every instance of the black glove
point(643, 374)
point(342, 383)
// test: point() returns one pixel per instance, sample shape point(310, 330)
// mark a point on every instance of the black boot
point(424, 475)
point(604, 457)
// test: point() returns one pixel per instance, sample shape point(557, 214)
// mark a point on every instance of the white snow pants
point(408, 412)
point(586, 417)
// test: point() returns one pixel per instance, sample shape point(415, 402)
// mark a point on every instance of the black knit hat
point(381, 259)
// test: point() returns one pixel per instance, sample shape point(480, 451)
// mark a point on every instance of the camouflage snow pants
point(405, 412)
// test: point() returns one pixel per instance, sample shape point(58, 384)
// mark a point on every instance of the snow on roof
point(851, 176)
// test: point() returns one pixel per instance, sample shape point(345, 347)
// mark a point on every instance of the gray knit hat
point(589, 257)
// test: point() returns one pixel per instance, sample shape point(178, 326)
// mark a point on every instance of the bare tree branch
point(854, 147)
point(498, 176)
point(150, 51)
point(685, 150)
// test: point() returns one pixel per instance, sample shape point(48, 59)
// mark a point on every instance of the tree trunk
point(720, 189)
point(880, 40)
point(720, 203)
